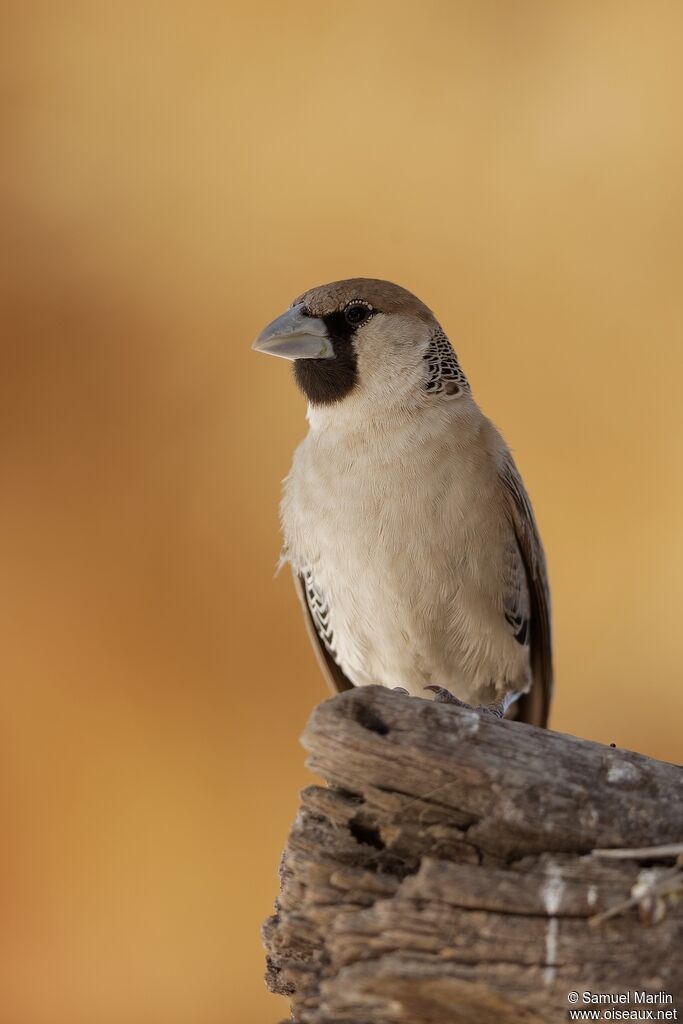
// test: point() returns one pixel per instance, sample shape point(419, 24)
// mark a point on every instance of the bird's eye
point(356, 313)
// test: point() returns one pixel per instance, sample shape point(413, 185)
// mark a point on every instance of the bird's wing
point(517, 597)
point(315, 616)
point(533, 707)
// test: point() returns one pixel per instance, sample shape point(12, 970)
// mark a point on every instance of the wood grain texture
point(446, 874)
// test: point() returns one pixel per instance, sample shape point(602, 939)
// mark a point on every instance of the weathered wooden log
point(454, 871)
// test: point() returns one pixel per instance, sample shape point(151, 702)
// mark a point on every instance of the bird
point(405, 521)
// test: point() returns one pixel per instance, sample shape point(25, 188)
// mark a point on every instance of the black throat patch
point(324, 381)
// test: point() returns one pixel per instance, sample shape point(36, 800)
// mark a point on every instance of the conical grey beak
point(295, 336)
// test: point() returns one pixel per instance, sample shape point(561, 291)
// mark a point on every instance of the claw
point(444, 696)
point(497, 710)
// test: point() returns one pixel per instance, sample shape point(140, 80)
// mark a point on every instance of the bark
point(454, 870)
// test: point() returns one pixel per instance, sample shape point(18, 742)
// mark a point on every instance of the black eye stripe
point(338, 328)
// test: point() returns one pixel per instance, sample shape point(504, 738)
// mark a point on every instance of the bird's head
point(362, 337)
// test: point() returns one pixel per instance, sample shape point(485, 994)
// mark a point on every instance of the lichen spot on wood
point(552, 898)
point(622, 773)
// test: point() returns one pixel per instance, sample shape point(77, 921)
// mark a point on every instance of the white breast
point(404, 532)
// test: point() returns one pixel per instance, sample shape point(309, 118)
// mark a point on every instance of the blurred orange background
point(172, 176)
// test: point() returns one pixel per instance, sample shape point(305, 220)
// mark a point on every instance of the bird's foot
point(400, 689)
point(444, 696)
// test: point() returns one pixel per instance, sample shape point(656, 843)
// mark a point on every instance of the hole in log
point(348, 795)
point(366, 834)
point(370, 720)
